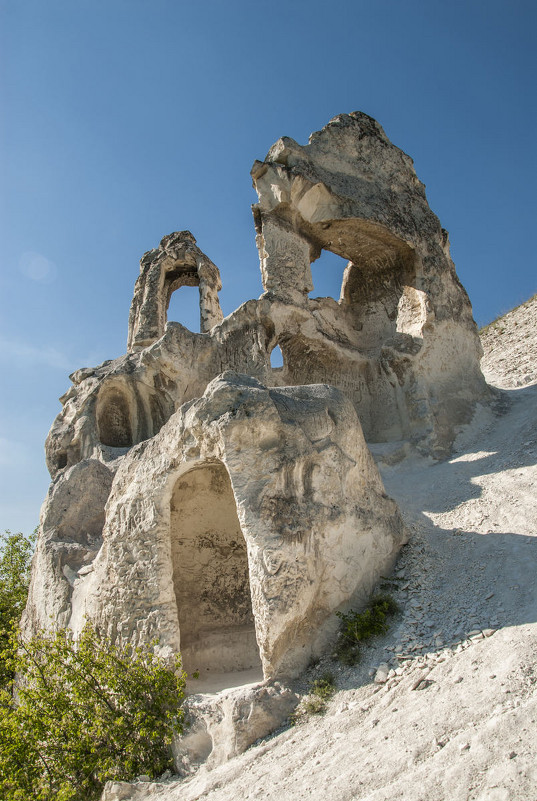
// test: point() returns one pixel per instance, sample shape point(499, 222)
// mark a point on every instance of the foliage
point(310, 705)
point(324, 687)
point(15, 559)
point(85, 713)
point(359, 626)
point(80, 713)
point(320, 692)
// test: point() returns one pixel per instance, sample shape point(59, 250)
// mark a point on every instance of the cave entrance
point(211, 577)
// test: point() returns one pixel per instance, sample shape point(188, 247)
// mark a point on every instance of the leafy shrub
point(80, 713)
point(320, 692)
point(359, 626)
point(311, 705)
point(324, 687)
point(85, 713)
point(15, 560)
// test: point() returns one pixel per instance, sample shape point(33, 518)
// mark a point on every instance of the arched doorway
point(210, 575)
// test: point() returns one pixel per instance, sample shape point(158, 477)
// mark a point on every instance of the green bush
point(311, 705)
point(84, 713)
point(323, 687)
point(79, 713)
point(15, 560)
point(359, 626)
point(320, 692)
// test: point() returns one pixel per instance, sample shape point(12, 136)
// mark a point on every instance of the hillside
point(510, 347)
point(455, 716)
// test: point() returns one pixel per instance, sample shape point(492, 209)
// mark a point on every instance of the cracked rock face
point(230, 508)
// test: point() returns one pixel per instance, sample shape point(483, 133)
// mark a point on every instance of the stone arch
point(211, 574)
point(364, 342)
point(178, 276)
point(175, 263)
point(381, 270)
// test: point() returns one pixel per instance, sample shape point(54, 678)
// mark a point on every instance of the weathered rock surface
point(228, 508)
point(509, 347)
point(223, 726)
point(70, 536)
point(235, 532)
point(401, 341)
point(454, 720)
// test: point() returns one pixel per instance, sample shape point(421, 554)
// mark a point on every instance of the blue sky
point(124, 120)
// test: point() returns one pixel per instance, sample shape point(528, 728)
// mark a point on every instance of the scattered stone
point(418, 681)
point(382, 673)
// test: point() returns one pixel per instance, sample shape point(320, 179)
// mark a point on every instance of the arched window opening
point(276, 358)
point(184, 307)
point(327, 274)
point(114, 423)
point(211, 577)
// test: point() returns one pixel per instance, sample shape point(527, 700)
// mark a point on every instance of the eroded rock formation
point(228, 508)
point(401, 341)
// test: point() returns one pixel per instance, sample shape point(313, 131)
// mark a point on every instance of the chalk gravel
point(443, 707)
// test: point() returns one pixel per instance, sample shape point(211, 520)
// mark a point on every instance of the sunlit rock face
point(400, 341)
point(235, 532)
point(228, 508)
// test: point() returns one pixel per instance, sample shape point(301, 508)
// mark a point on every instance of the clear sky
point(124, 120)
